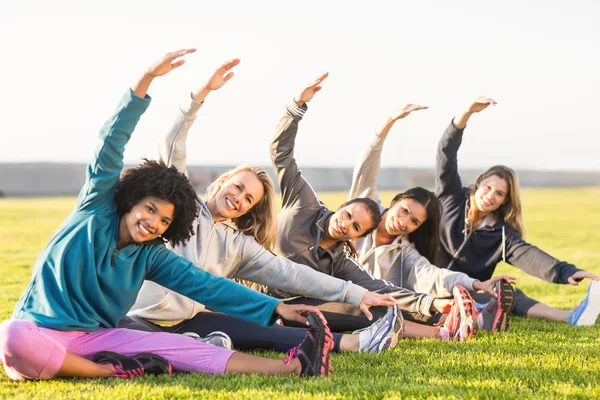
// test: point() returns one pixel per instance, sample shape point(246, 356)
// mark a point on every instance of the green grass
point(534, 359)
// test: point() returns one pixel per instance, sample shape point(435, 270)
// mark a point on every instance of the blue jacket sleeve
point(221, 294)
point(104, 169)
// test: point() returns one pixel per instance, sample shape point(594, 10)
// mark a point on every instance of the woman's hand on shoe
point(488, 286)
point(371, 299)
point(581, 275)
point(295, 312)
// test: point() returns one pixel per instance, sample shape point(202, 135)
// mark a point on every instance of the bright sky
point(65, 65)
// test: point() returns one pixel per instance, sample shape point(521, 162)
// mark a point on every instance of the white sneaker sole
point(590, 314)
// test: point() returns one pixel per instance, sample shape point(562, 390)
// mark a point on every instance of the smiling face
point(237, 195)
point(404, 217)
point(491, 193)
point(349, 222)
point(146, 220)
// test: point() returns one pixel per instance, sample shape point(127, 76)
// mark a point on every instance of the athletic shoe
point(383, 334)
point(586, 313)
point(459, 322)
point(216, 338)
point(138, 365)
point(313, 351)
point(495, 316)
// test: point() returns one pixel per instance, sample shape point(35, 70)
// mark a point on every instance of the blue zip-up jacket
point(82, 282)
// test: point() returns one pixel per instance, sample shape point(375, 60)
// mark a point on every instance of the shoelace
point(291, 353)
point(129, 373)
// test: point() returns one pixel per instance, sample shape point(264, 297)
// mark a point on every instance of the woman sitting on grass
point(483, 225)
point(404, 249)
point(231, 234)
point(311, 234)
point(90, 272)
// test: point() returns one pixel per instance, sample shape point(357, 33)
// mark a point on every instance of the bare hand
point(407, 109)
point(220, 76)
point(581, 275)
point(480, 104)
point(167, 63)
point(442, 305)
point(309, 91)
point(371, 299)
point(296, 312)
point(488, 286)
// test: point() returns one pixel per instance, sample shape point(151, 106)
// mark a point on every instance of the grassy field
point(534, 359)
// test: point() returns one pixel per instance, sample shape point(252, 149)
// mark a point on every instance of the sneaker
point(216, 338)
point(138, 365)
point(586, 313)
point(383, 334)
point(495, 316)
point(313, 351)
point(459, 322)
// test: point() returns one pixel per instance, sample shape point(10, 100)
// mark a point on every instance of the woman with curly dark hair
point(90, 272)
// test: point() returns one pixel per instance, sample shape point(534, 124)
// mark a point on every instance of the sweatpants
point(30, 352)
point(522, 302)
point(245, 335)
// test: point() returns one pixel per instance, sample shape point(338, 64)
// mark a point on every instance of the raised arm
point(366, 170)
point(447, 180)
point(295, 190)
point(105, 168)
point(172, 147)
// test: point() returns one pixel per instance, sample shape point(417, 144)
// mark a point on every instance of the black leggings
point(244, 335)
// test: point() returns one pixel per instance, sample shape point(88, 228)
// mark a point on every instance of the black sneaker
point(313, 351)
point(496, 314)
point(138, 365)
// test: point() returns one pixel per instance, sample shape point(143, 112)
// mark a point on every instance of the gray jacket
point(398, 262)
point(222, 250)
point(303, 218)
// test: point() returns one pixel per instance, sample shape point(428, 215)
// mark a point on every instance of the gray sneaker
point(495, 315)
point(216, 338)
point(383, 334)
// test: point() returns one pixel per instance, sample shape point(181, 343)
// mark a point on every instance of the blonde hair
point(510, 211)
point(260, 221)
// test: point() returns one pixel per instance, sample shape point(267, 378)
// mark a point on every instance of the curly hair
point(153, 178)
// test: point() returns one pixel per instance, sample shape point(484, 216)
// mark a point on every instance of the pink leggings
point(30, 352)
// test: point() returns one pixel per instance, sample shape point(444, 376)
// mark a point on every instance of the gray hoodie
point(222, 250)
point(303, 219)
point(398, 262)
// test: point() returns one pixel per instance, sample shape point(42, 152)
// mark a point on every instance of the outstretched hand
point(167, 63)
point(296, 312)
point(407, 109)
point(371, 299)
point(480, 104)
point(581, 275)
point(221, 75)
point(488, 286)
point(309, 91)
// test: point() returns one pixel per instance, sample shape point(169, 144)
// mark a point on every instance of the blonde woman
point(483, 225)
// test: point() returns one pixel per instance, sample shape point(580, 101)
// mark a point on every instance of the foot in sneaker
point(216, 338)
point(313, 351)
point(586, 313)
point(383, 334)
point(138, 365)
point(495, 316)
point(459, 322)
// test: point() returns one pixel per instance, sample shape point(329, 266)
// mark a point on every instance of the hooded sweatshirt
point(398, 262)
point(221, 249)
point(82, 282)
point(478, 253)
point(303, 218)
